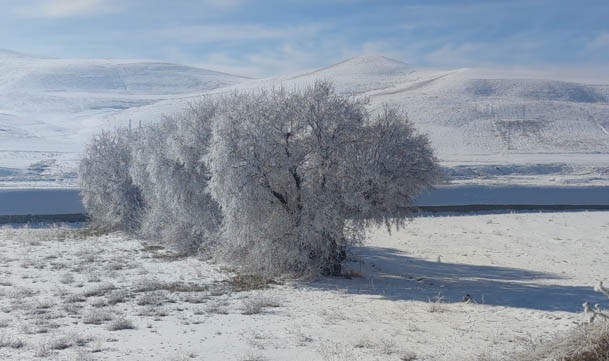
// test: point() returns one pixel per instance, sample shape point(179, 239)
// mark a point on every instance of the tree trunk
point(333, 265)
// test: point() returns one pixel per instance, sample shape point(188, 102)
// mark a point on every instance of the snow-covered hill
point(49, 108)
point(477, 119)
point(470, 112)
point(537, 126)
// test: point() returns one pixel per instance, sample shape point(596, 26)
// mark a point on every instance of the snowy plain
point(70, 295)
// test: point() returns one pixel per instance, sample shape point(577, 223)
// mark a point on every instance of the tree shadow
point(389, 274)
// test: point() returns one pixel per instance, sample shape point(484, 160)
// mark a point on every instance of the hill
point(49, 108)
point(524, 125)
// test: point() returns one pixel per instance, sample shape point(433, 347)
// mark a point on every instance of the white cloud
point(227, 64)
point(516, 49)
point(223, 4)
point(388, 47)
point(213, 33)
point(293, 56)
point(285, 60)
point(455, 55)
point(230, 32)
point(64, 8)
point(599, 42)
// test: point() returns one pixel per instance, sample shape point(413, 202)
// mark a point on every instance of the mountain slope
point(53, 106)
point(466, 112)
point(474, 117)
point(474, 112)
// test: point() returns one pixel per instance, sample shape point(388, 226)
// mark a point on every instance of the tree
point(152, 181)
point(271, 181)
point(111, 199)
point(168, 167)
point(299, 174)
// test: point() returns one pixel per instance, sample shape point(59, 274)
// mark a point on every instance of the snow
point(473, 116)
point(524, 117)
point(49, 108)
point(528, 273)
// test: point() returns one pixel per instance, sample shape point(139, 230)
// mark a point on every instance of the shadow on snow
point(389, 274)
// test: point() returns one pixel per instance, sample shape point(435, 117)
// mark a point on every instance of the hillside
point(481, 111)
point(524, 125)
point(486, 125)
point(49, 108)
point(469, 112)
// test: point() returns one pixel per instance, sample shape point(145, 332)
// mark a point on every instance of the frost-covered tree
point(298, 174)
point(168, 166)
point(111, 199)
point(272, 181)
point(152, 181)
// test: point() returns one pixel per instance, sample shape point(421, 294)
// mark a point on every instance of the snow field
point(71, 294)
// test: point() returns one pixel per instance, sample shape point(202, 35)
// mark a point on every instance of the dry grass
point(154, 285)
point(120, 324)
point(589, 342)
point(257, 303)
point(152, 311)
point(99, 290)
point(154, 298)
point(408, 356)
point(117, 296)
point(196, 297)
point(22, 292)
point(97, 316)
point(218, 308)
point(74, 298)
point(11, 341)
point(436, 304)
point(241, 283)
point(595, 347)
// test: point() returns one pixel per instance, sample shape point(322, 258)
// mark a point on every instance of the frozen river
point(67, 201)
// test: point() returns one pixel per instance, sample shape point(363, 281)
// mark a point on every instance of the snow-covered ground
point(537, 126)
point(67, 294)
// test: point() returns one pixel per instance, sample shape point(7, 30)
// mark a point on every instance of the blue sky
point(263, 38)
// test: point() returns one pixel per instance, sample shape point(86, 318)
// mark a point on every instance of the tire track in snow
point(598, 124)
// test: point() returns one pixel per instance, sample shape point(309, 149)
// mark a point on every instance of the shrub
point(255, 304)
point(12, 342)
point(587, 342)
point(120, 324)
point(168, 166)
point(97, 316)
point(152, 181)
point(108, 193)
point(299, 174)
point(273, 182)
